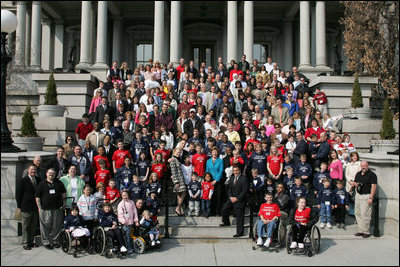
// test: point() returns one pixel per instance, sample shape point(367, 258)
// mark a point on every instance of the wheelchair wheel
point(139, 245)
point(281, 234)
point(315, 239)
point(99, 240)
point(289, 240)
point(108, 247)
point(65, 242)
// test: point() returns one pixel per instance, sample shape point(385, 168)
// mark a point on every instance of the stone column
point(20, 35)
point(321, 62)
point(101, 47)
point(28, 20)
point(116, 46)
point(288, 44)
point(85, 35)
point(305, 60)
point(36, 35)
point(59, 45)
point(175, 36)
point(158, 49)
point(231, 43)
point(46, 45)
point(248, 31)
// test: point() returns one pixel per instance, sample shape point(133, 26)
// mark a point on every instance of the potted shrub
point(357, 110)
point(50, 107)
point(387, 143)
point(28, 139)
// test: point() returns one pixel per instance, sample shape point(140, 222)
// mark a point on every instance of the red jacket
point(311, 131)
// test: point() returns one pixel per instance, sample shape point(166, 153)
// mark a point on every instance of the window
point(143, 53)
point(261, 52)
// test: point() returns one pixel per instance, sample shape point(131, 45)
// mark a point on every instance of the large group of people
point(216, 136)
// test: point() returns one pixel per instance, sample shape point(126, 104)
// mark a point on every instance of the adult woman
point(279, 90)
point(129, 120)
point(318, 117)
point(150, 103)
point(252, 84)
point(282, 77)
point(128, 99)
point(125, 70)
point(264, 75)
point(285, 128)
point(180, 121)
point(178, 180)
point(106, 127)
point(142, 111)
point(192, 98)
point(73, 185)
point(306, 117)
point(352, 168)
point(199, 103)
point(335, 166)
point(314, 129)
point(327, 122)
point(147, 73)
point(69, 146)
point(167, 136)
point(215, 166)
point(301, 219)
point(202, 73)
point(270, 126)
point(96, 100)
point(233, 136)
point(173, 103)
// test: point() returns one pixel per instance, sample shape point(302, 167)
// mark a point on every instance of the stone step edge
point(323, 237)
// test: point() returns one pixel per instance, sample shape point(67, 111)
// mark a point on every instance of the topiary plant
point(387, 131)
point(28, 128)
point(356, 98)
point(50, 98)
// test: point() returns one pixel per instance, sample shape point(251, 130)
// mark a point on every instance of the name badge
point(52, 191)
point(126, 180)
point(126, 215)
point(327, 202)
point(341, 196)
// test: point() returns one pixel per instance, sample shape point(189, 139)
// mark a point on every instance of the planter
point(29, 143)
point(384, 145)
point(51, 111)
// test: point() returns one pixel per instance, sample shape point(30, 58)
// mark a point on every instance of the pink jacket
point(127, 207)
point(336, 170)
point(94, 104)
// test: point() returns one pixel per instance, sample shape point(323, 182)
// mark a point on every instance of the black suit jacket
point(188, 127)
point(53, 163)
point(301, 148)
point(100, 112)
point(239, 190)
point(25, 194)
point(110, 153)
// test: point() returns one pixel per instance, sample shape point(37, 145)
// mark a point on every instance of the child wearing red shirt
point(83, 129)
point(199, 161)
point(159, 166)
point(112, 193)
point(97, 158)
point(207, 190)
point(164, 152)
point(269, 214)
point(274, 164)
point(237, 159)
point(119, 156)
point(102, 174)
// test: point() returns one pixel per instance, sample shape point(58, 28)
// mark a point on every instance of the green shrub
point(356, 98)
point(28, 128)
point(50, 98)
point(387, 131)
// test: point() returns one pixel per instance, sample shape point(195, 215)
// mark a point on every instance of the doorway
point(202, 52)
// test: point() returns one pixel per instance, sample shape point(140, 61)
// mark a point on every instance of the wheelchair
point(278, 236)
point(78, 243)
point(312, 242)
point(104, 245)
point(141, 239)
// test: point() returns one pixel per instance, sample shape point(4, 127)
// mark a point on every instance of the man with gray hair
point(40, 169)
point(365, 183)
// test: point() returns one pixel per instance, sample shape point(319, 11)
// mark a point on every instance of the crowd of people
point(218, 137)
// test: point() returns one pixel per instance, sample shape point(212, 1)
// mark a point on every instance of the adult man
point(192, 69)
point(180, 68)
point(301, 148)
point(118, 100)
point(303, 87)
point(184, 104)
point(50, 199)
point(280, 114)
point(235, 70)
point(25, 197)
point(193, 123)
point(323, 151)
point(221, 70)
point(269, 65)
point(102, 89)
point(128, 136)
point(244, 65)
point(40, 169)
point(237, 190)
point(365, 183)
point(96, 137)
point(112, 93)
point(295, 72)
point(140, 91)
point(165, 118)
point(102, 110)
point(109, 148)
point(291, 105)
point(275, 70)
point(59, 164)
point(84, 168)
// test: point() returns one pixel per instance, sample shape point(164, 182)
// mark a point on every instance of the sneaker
point(153, 243)
point(329, 225)
point(267, 242)
point(158, 242)
point(123, 249)
point(323, 225)
point(301, 245)
point(259, 241)
point(293, 245)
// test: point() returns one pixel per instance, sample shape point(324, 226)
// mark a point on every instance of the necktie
point(235, 182)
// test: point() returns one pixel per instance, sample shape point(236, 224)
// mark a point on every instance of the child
point(341, 203)
point(290, 145)
point(192, 149)
point(150, 226)
point(159, 166)
point(199, 161)
point(325, 204)
point(269, 186)
point(269, 214)
point(112, 193)
point(304, 170)
point(102, 174)
point(153, 205)
point(237, 160)
point(127, 216)
point(74, 223)
point(207, 190)
point(187, 169)
point(288, 181)
point(313, 146)
point(137, 190)
point(100, 194)
point(320, 176)
point(142, 167)
point(138, 146)
point(287, 163)
point(164, 152)
point(108, 219)
point(258, 186)
point(87, 205)
point(274, 164)
point(298, 190)
point(194, 188)
point(153, 184)
point(124, 175)
point(116, 131)
point(119, 156)
point(155, 143)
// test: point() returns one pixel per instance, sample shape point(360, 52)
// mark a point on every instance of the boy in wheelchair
point(150, 227)
point(74, 225)
point(301, 220)
point(269, 214)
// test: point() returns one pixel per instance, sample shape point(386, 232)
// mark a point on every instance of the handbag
point(17, 215)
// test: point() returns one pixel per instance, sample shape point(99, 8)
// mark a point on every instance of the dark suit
point(188, 127)
point(100, 112)
point(238, 190)
point(53, 163)
point(110, 153)
point(301, 148)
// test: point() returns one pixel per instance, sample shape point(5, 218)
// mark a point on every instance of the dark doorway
point(202, 52)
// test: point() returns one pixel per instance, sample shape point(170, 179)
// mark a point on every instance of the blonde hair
point(146, 212)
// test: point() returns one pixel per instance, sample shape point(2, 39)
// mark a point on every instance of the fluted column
point(248, 32)
point(320, 28)
point(101, 47)
point(36, 35)
point(175, 36)
point(158, 31)
point(231, 45)
point(46, 63)
point(116, 46)
point(20, 35)
point(305, 59)
point(85, 35)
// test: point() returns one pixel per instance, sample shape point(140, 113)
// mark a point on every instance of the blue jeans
point(205, 205)
point(270, 228)
point(127, 235)
point(325, 213)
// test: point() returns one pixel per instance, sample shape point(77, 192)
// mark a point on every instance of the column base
point(306, 68)
point(35, 69)
point(99, 66)
point(323, 68)
point(83, 66)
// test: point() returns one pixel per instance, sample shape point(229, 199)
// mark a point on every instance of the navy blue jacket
point(196, 141)
point(298, 192)
point(138, 147)
point(303, 169)
point(289, 183)
point(259, 185)
point(137, 191)
point(107, 219)
point(259, 162)
point(194, 187)
point(124, 177)
point(325, 194)
point(287, 165)
point(141, 167)
point(318, 179)
point(152, 205)
point(73, 221)
point(154, 187)
point(323, 151)
point(222, 146)
point(340, 197)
